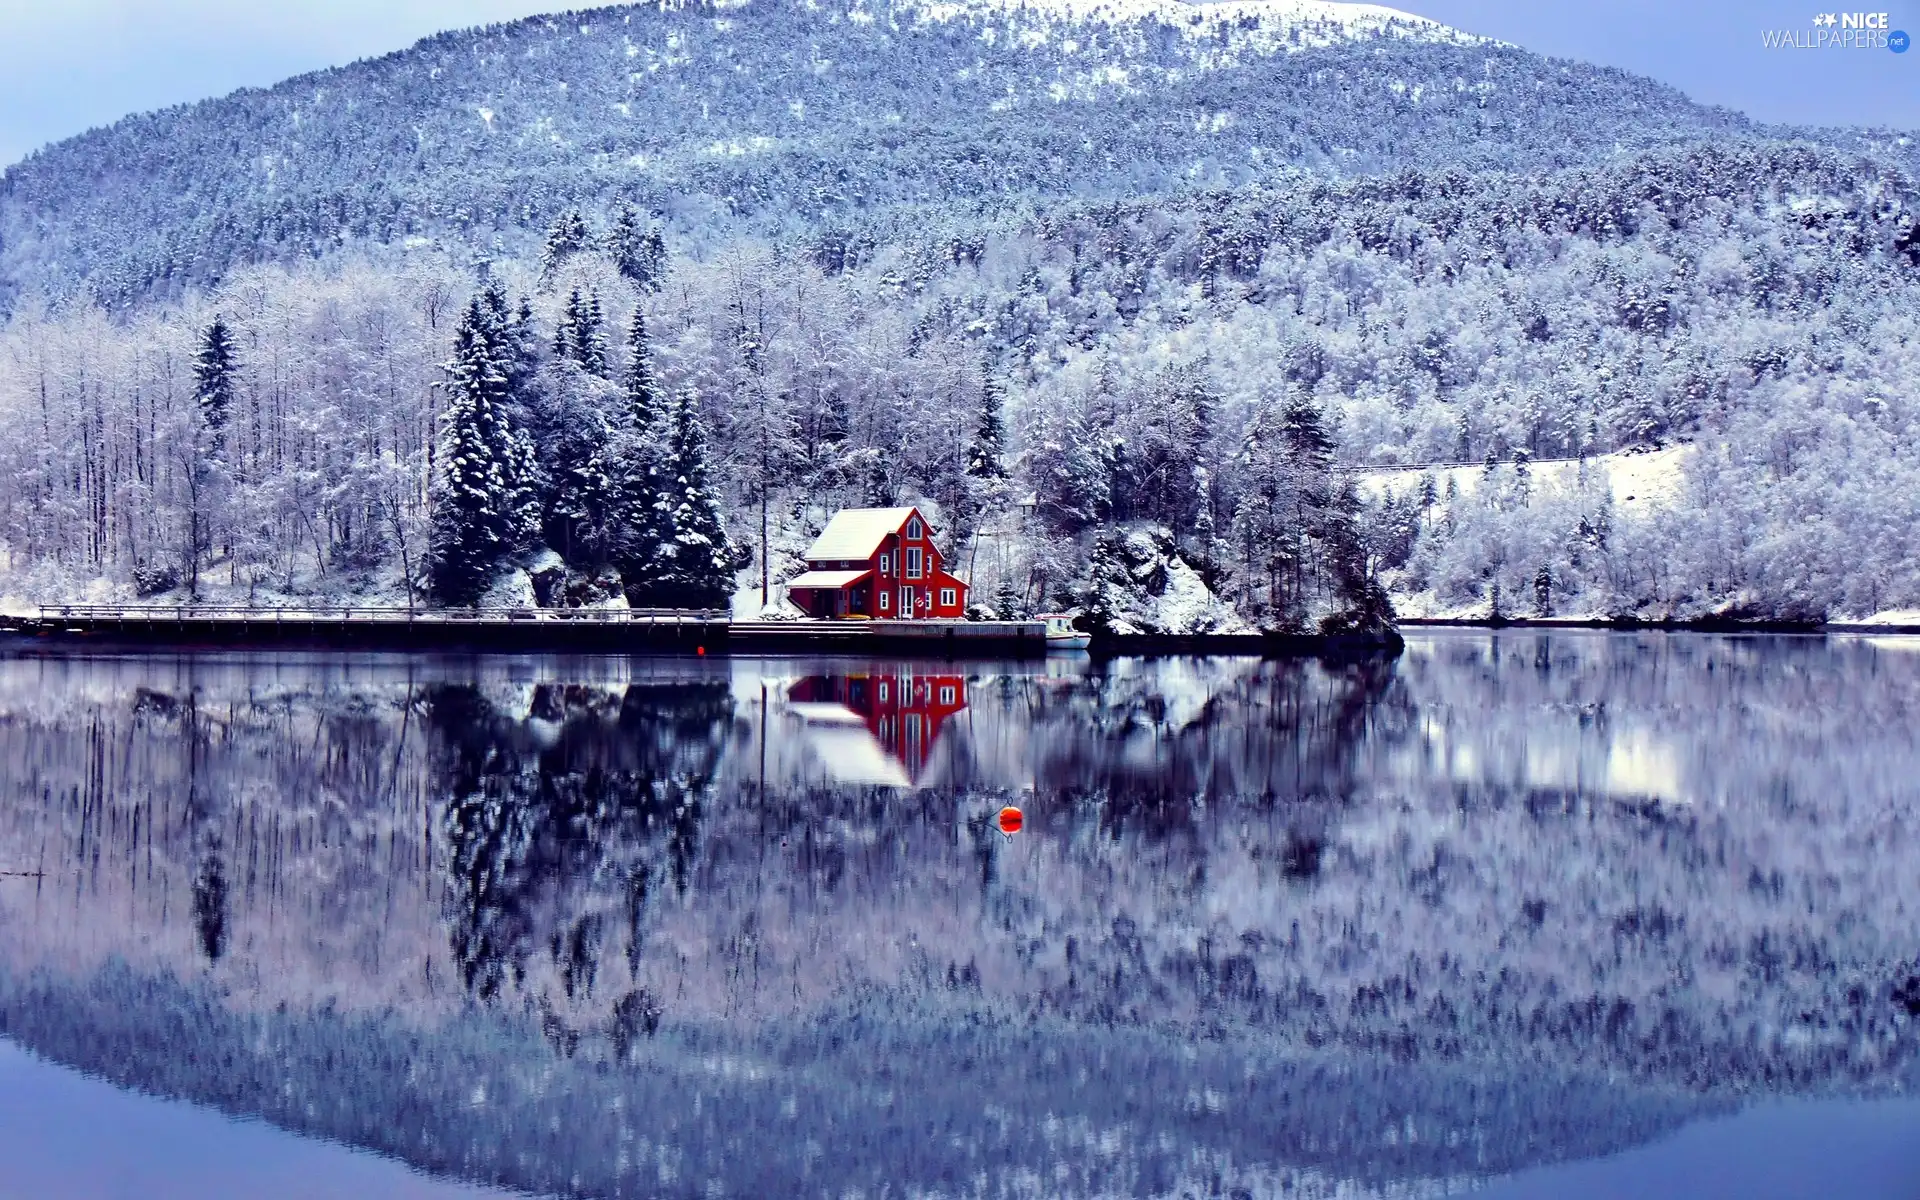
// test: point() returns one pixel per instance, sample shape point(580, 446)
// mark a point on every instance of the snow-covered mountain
point(779, 114)
point(1121, 292)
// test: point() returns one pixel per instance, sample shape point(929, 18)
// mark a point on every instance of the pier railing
point(370, 614)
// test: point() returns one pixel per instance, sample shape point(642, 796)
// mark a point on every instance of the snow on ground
point(1188, 606)
point(746, 604)
point(1896, 617)
point(1641, 481)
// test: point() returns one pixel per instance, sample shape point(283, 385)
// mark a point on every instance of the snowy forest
point(574, 355)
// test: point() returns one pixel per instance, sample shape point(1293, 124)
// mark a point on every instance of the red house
point(879, 563)
point(902, 714)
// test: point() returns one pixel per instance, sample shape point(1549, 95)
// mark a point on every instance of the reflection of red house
point(877, 562)
point(903, 712)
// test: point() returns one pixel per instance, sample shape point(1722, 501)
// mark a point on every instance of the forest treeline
point(1095, 401)
point(780, 118)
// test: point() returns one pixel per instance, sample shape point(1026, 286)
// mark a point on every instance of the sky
point(69, 65)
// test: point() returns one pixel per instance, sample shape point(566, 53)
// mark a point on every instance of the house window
point(948, 598)
point(946, 694)
point(914, 529)
point(886, 564)
point(883, 693)
point(906, 602)
point(913, 562)
point(886, 600)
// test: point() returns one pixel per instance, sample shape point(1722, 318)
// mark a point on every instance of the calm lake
point(1550, 914)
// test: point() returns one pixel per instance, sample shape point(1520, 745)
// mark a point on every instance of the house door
point(906, 603)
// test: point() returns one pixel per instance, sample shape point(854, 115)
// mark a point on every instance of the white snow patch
point(1189, 606)
point(746, 605)
point(1641, 482)
point(512, 589)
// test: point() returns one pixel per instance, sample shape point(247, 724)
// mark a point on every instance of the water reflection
point(639, 928)
point(876, 727)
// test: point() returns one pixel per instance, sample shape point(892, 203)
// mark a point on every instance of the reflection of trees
point(1231, 859)
point(565, 822)
point(1149, 754)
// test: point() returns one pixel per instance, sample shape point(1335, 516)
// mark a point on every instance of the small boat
point(1061, 635)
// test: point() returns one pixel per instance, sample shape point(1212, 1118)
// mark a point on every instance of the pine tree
point(590, 345)
point(578, 335)
point(577, 338)
point(213, 394)
point(696, 560)
point(1305, 433)
point(990, 435)
point(484, 502)
point(640, 257)
point(566, 238)
point(213, 383)
point(643, 396)
point(1102, 591)
point(586, 515)
point(641, 515)
point(563, 329)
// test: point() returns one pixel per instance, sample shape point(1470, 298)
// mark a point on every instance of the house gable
point(882, 554)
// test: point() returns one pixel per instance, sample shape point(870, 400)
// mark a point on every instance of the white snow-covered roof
point(853, 755)
point(826, 579)
point(856, 533)
point(847, 748)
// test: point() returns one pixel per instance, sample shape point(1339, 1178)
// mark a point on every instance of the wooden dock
point(598, 631)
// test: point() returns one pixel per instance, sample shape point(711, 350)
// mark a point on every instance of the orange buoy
point(1011, 820)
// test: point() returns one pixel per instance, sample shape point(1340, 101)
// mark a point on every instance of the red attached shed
point(879, 563)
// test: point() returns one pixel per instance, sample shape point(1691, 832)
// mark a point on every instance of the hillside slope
point(788, 115)
point(1121, 285)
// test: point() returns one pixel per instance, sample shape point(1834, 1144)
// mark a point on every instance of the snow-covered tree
point(567, 237)
point(695, 559)
point(214, 382)
point(989, 433)
point(639, 255)
point(209, 483)
point(483, 503)
point(578, 336)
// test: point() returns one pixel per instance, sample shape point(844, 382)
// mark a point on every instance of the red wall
point(933, 577)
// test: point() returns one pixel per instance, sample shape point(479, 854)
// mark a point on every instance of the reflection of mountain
point(537, 921)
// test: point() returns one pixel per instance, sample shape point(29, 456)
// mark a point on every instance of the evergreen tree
point(1305, 433)
point(483, 500)
point(213, 383)
point(637, 255)
point(564, 327)
point(590, 346)
point(1102, 591)
point(643, 394)
point(213, 395)
point(641, 513)
point(990, 435)
point(567, 237)
point(695, 558)
point(577, 337)
point(586, 516)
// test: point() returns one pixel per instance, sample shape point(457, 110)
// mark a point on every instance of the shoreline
point(1669, 625)
point(700, 635)
point(693, 634)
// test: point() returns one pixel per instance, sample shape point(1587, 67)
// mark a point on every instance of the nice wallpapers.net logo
point(1841, 31)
